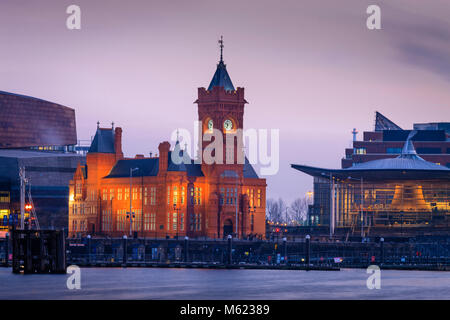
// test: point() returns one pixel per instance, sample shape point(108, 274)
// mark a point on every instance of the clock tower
point(221, 110)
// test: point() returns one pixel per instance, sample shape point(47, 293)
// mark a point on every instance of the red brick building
point(432, 142)
point(170, 199)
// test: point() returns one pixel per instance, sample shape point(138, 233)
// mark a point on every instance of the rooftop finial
point(221, 48)
point(98, 124)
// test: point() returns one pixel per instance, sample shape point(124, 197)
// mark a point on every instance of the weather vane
point(221, 48)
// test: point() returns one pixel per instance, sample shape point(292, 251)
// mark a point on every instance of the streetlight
point(131, 214)
point(362, 204)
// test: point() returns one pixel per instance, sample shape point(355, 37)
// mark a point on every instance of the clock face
point(228, 125)
point(210, 125)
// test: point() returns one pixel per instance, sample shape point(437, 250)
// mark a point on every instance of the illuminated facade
point(403, 194)
point(169, 199)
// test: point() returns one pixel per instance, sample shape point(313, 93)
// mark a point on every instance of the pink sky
point(310, 68)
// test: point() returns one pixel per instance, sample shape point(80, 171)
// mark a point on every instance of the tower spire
point(221, 48)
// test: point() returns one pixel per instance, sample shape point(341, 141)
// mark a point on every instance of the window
point(182, 195)
point(121, 219)
point(4, 197)
point(222, 195)
point(394, 150)
point(111, 194)
point(360, 150)
point(106, 220)
point(127, 194)
point(137, 220)
point(78, 189)
point(175, 195)
point(153, 221)
point(105, 195)
point(182, 221)
point(197, 193)
point(119, 194)
point(146, 222)
point(168, 221)
point(153, 196)
point(259, 199)
point(250, 197)
point(145, 196)
point(175, 221)
point(168, 195)
point(135, 193)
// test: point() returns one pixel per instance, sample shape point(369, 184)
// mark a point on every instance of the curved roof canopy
point(407, 166)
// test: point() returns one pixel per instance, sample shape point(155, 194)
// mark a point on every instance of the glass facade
point(382, 204)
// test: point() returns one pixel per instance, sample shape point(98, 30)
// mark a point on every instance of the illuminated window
point(175, 221)
point(153, 221)
point(119, 194)
point(182, 221)
point(168, 195)
point(360, 150)
point(127, 194)
point(182, 195)
point(111, 194)
point(145, 195)
point(259, 199)
point(175, 195)
point(135, 193)
point(105, 195)
point(153, 196)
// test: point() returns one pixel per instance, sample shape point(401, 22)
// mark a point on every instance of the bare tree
point(276, 210)
point(299, 210)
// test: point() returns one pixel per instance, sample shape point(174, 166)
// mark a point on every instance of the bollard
point(308, 250)
point(381, 250)
point(285, 249)
point(125, 250)
point(230, 249)
point(186, 248)
point(89, 248)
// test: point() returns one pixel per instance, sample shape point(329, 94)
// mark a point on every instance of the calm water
point(141, 283)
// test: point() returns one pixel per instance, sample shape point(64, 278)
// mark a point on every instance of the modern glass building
point(403, 194)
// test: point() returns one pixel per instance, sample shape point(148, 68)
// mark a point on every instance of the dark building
point(432, 142)
point(39, 136)
point(404, 195)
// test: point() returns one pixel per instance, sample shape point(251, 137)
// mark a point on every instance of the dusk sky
point(310, 68)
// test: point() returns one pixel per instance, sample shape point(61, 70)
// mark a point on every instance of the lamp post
point(130, 214)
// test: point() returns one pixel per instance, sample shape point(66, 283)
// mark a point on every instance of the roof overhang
point(374, 174)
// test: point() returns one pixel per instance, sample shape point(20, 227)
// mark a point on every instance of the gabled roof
point(221, 78)
point(103, 141)
point(249, 172)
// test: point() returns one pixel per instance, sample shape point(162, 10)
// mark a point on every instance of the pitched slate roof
point(221, 78)
point(149, 168)
point(103, 141)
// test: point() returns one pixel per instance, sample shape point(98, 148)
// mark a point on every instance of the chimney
point(118, 142)
point(163, 148)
